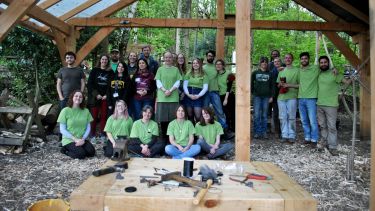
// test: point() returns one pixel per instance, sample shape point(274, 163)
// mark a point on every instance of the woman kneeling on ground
point(144, 135)
point(181, 136)
point(209, 131)
point(75, 127)
point(119, 124)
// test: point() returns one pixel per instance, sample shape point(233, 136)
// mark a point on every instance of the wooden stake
point(372, 76)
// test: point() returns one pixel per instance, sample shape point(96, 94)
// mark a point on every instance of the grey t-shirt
point(70, 79)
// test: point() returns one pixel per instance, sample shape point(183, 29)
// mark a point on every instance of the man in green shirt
point(307, 97)
point(328, 87)
point(115, 57)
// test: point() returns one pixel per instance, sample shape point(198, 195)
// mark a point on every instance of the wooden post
point(243, 80)
point(15, 11)
point(220, 31)
point(365, 98)
point(372, 76)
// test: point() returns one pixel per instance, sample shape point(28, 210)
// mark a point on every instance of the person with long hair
point(98, 84)
point(225, 79)
point(209, 131)
point(181, 137)
point(144, 85)
point(75, 127)
point(119, 124)
point(181, 65)
point(195, 87)
point(120, 87)
point(144, 135)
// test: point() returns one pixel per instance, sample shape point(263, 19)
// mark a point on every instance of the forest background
point(24, 52)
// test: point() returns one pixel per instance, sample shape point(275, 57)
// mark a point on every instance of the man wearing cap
point(115, 57)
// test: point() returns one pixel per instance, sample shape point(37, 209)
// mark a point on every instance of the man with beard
point(307, 97)
point(328, 87)
point(212, 96)
point(153, 65)
point(115, 57)
point(69, 78)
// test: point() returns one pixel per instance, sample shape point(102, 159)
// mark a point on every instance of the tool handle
point(104, 171)
point(257, 177)
point(189, 181)
point(202, 192)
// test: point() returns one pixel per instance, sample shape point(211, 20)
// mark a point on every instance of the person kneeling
point(75, 127)
point(209, 131)
point(118, 124)
point(144, 136)
point(181, 136)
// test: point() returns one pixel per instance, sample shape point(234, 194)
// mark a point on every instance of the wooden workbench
point(107, 193)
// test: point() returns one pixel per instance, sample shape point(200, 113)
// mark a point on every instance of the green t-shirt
point(211, 73)
point(144, 131)
point(118, 127)
point(209, 132)
point(76, 121)
point(196, 81)
point(292, 77)
point(168, 77)
point(181, 131)
point(114, 66)
point(308, 82)
point(222, 80)
point(328, 88)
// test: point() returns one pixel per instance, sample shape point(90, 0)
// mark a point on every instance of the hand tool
point(202, 192)
point(253, 176)
point(244, 181)
point(177, 176)
point(118, 167)
point(120, 151)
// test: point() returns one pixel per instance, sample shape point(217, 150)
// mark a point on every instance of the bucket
point(49, 204)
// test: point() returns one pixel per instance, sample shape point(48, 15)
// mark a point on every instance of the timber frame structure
point(350, 16)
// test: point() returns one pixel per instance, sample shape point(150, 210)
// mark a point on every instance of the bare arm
point(82, 85)
point(110, 137)
point(58, 87)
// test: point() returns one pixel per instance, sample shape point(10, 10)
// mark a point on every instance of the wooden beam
point(46, 18)
point(372, 66)
point(319, 10)
point(44, 5)
point(78, 9)
point(114, 8)
point(354, 11)
point(93, 42)
point(243, 93)
point(344, 48)
point(365, 97)
point(220, 31)
point(213, 23)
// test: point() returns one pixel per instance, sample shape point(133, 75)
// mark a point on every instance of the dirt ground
point(43, 172)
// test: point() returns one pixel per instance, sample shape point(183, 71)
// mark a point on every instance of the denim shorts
point(193, 103)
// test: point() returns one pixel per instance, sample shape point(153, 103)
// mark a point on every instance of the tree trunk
point(182, 35)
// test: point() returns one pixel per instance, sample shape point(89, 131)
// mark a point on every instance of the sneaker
point(314, 145)
point(307, 141)
point(333, 152)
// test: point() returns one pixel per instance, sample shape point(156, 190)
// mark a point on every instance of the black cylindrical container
point(188, 167)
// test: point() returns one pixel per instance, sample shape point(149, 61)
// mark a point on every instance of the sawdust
point(43, 172)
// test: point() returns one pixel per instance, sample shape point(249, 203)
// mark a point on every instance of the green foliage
point(33, 53)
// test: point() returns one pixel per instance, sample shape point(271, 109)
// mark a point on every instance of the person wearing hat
point(115, 57)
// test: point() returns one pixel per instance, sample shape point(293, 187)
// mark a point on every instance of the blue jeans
point(139, 104)
point(223, 149)
point(287, 116)
point(308, 113)
point(213, 97)
point(62, 103)
point(260, 115)
point(173, 151)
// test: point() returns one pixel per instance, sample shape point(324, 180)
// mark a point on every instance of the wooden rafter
point(213, 23)
point(243, 124)
point(114, 8)
point(354, 11)
point(44, 5)
point(93, 42)
point(14, 12)
point(46, 18)
point(319, 10)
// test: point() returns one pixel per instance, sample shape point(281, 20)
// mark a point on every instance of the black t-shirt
point(70, 79)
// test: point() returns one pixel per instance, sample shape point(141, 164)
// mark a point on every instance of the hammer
point(202, 193)
point(118, 167)
point(177, 177)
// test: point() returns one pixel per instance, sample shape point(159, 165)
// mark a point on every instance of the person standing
point(262, 90)
point(328, 88)
point(115, 59)
point(275, 108)
point(75, 127)
point(212, 96)
point(132, 64)
point(98, 85)
point(168, 80)
point(181, 137)
point(307, 97)
point(288, 81)
point(152, 63)
point(69, 78)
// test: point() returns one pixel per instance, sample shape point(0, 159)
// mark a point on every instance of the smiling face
point(120, 107)
point(104, 61)
point(147, 114)
point(180, 114)
point(263, 65)
point(206, 116)
point(219, 66)
point(168, 58)
point(77, 99)
point(142, 65)
point(304, 61)
point(288, 59)
point(120, 68)
point(323, 64)
point(132, 57)
point(210, 58)
point(277, 62)
point(180, 59)
point(195, 64)
point(146, 51)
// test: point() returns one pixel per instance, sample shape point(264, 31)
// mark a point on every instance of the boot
point(228, 134)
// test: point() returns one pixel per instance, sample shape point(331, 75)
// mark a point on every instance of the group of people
point(122, 97)
point(311, 88)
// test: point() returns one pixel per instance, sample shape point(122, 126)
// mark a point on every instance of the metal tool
point(177, 177)
point(202, 192)
point(118, 167)
point(244, 181)
point(253, 176)
point(120, 151)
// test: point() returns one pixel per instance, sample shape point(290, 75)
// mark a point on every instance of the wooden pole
point(243, 78)
point(220, 30)
point(372, 65)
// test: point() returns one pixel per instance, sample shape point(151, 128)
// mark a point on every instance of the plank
point(220, 31)
point(319, 10)
point(243, 61)
point(11, 141)
point(372, 76)
point(16, 110)
point(14, 12)
point(44, 5)
point(354, 11)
